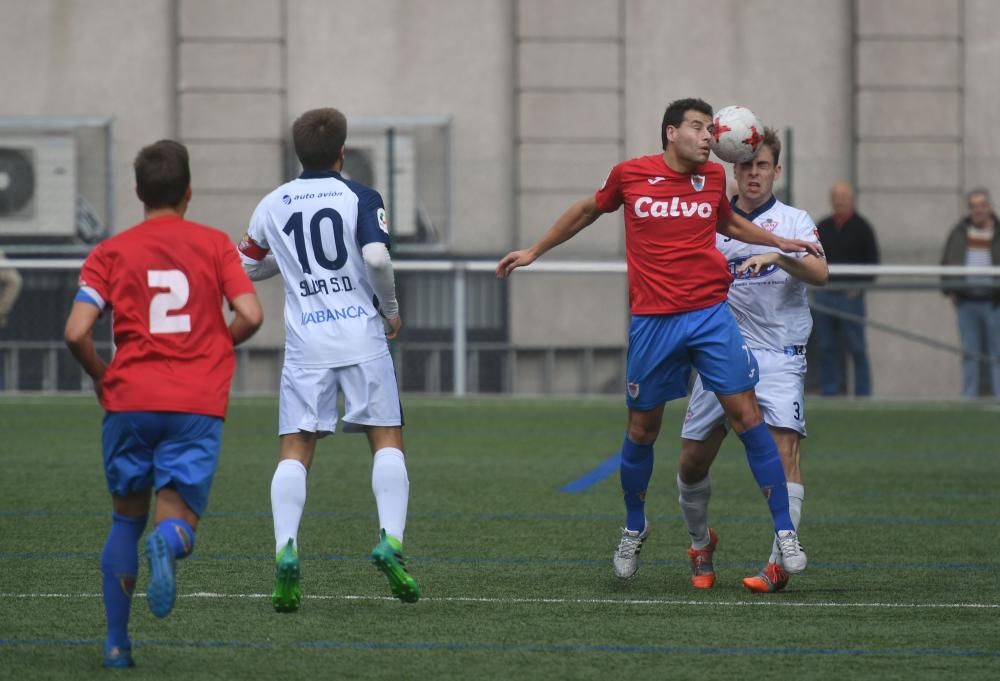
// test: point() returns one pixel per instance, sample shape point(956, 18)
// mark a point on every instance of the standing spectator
point(848, 239)
point(10, 288)
point(972, 242)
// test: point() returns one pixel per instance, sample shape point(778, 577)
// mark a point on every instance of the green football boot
point(387, 556)
point(287, 594)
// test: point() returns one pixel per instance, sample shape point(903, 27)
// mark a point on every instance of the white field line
point(553, 601)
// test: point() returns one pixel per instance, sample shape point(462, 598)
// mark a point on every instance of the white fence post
point(459, 332)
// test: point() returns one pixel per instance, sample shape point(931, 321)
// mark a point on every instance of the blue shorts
point(158, 449)
point(662, 349)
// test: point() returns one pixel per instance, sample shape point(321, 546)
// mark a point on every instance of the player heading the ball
point(678, 283)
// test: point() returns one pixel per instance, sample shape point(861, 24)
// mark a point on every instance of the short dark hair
point(674, 115)
point(318, 136)
point(162, 174)
point(976, 192)
point(772, 140)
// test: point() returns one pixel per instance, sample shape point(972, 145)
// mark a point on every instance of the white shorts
point(779, 392)
point(308, 397)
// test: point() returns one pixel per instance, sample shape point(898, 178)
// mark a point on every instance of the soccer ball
point(738, 134)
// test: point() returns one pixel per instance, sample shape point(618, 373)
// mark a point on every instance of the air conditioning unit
point(37, 184)
point(366, 160)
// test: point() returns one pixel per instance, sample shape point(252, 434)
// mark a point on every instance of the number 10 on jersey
point(296, 228)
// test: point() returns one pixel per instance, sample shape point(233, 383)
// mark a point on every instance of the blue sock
point(119, 567)
point(765, 464)
point(636, 470)
point(178, 535)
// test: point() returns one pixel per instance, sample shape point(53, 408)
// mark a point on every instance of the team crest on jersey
point(698, 182)
point(633, 390)
point(383, 223)
point(769, 224)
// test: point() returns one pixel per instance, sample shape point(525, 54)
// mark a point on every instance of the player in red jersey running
point(166, 390)
point(675, 202)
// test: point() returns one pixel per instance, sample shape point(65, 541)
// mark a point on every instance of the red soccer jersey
point(165, 280)
point(670, 225)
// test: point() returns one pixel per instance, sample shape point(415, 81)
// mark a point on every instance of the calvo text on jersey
point(646, 206)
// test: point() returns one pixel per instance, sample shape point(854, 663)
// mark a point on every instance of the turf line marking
point(499, 516)
point(596, 475)
point(523, 647)
point(551, 601)
point(662, 650)
point(522, 562)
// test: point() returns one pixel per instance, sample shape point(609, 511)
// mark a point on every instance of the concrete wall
point(937, 61)
point(230, 96)
point(909, 123)
point(788, 61)
point(394, 57)
point(108, 58)
point(981, 108)
point(544, 96)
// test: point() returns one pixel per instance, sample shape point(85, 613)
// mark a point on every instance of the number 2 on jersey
point(295, 227)
point(176, 297)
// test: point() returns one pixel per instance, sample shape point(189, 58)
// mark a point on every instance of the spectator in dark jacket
point(972, 242)
point(848, 239)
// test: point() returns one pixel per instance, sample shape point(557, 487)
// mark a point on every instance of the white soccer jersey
point(772, 308)
point(316, 226)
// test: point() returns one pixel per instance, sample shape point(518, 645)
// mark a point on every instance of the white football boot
point(626, 556)
point(793, 556)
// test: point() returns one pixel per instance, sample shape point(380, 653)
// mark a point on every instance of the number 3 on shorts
point(174, 298)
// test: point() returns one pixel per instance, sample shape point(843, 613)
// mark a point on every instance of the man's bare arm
point(581, 214)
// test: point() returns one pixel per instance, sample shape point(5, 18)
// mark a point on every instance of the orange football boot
point(772, 578)
point(702, 572)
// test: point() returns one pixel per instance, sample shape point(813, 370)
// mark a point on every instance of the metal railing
point(927, 277)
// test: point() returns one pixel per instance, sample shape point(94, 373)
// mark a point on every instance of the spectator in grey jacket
point(973, 242)
point(10, 288)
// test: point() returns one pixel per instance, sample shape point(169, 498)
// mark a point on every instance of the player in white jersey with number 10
point(327, 236)
point(768, 299)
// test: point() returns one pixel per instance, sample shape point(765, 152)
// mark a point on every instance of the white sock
point(694, 509)
point(288, 498)
point(391, 487)
point(796, 493)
